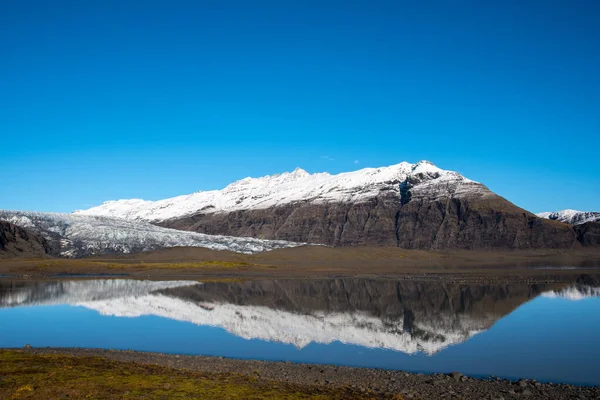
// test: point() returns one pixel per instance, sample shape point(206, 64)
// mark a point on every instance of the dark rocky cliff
point(589, 233)
point(19, 242)
point(412, 221)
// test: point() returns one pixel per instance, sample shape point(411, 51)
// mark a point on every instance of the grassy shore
point(47, 373)
point(314, 261)
point(57, 376)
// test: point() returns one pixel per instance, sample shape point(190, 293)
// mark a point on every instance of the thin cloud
point(328, 158)
point(356, 161)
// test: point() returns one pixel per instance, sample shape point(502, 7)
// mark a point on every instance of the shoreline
point(355, 382)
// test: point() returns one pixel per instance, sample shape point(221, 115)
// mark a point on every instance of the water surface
point(546, 332)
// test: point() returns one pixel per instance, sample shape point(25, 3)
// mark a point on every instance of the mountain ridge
point(281, 189)
point(572, 217)
point(412, 206)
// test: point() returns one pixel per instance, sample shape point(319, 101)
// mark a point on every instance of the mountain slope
point(415, 206)
point(18, 242)
point(69, 235)
point(572, 217)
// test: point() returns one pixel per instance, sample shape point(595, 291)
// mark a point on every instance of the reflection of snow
point(574, 293)
point(133, 298)
point(71, 292)
point(256, 322)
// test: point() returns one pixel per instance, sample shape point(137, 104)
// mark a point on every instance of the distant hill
point(572, 217)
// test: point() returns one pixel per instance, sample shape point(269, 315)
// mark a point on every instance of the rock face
point(413, 206)
point(589, 233)
point(452, 223)
point(19, 242)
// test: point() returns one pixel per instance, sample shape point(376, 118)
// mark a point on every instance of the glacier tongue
point(286, 188)
point(82, 235)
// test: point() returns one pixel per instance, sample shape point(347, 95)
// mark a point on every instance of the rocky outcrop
point(482, 221)
point(19, 242)
point(589, 233)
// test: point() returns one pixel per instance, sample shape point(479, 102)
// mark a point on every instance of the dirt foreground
point(108, 374)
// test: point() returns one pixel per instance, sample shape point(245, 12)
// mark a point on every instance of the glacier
point(83, 235)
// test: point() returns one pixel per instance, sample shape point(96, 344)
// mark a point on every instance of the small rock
point(522, 382)
point(27, 346)
point(526, 392)
point(457, 376)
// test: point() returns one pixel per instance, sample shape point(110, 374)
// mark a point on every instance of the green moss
point(30, 376)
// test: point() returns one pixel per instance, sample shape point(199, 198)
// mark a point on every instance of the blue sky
point(106, 99)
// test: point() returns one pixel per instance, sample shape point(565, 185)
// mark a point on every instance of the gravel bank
point(374, 383)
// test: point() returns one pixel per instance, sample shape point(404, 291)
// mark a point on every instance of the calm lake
point(549, 332)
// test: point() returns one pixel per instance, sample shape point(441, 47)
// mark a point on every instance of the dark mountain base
point(469, 223)
point(19, 242)
point(588, 234)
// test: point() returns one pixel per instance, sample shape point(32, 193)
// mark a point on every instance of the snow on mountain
point(578, 292)
point(132, 298)
point(292, 187)
point(82, 235)
point(572, 217)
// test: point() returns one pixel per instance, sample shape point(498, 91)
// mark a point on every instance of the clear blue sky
point(104, 100)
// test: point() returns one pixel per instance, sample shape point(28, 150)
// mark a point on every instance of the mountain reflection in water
point(404, 316)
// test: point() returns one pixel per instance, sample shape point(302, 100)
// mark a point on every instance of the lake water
point(547, 332)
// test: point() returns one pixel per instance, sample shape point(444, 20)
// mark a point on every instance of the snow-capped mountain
point(82, 235)
point(572, 217)
point(413, 206)
point(289, 188)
